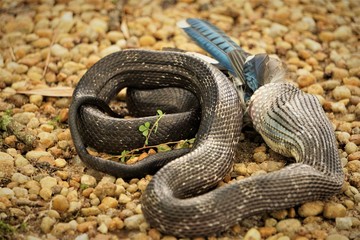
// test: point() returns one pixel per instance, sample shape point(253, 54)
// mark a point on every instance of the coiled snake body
point(178, 199)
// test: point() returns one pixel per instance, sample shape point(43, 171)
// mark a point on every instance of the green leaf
point(142, 128)
point(145, 132)
point(124, 154)
point(191, 140)
point(147, 142)
point(163, 148)
point(147, 125)
point(159, 112)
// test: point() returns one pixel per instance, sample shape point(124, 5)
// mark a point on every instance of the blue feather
point(211, 39)
point(254, 71)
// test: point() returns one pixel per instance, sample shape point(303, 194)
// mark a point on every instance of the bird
point(247, 71)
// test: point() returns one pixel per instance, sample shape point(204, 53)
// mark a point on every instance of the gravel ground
point(45, 190)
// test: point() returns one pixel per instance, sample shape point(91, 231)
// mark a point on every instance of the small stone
point(311, 209)
point(59, 51)
point(83, 236)
point(60, 162)
point(115, 36)
point(354, 166)
point(341, 92)
point(35, 155)
point(277, 30)
point(339, 73)
point(7, 193)
point(350, 148)
point(41, 43)
point(343, 223)
point(90, 211)
point(334, 210)
point(60, 203)
point(103, 228)
point(109, 50)
point(134, 221)
point(338, 107)
point(20, 178)
point(23, 24)
point(66, 22)
point(343, 33)
point(88, 180)
point(305, 80)
point(6, 163)
point(312, 45)
point(354, 156)
point(45, 193)
point(336, 237)
point(48, 182)
point(267, 231)
point(99, 25)
point(46, 139)
point(288, 225)
point(260, 157)
point(71, 67)
point(86, 226)
point(108, 202)
point(46, 224)
point(330, 84)
point(252, 234)
point(74, 207)
point(147, 41)
point(123, 198)
point(315, 89)
point(20, 161)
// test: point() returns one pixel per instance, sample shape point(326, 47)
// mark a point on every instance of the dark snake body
point(177, 200)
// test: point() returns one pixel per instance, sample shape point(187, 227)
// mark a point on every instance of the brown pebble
point(355, 139)
point(60, 203)
point(354, 156)
point(154, 234)
point(333, 210)
point(147, 41)
point(86, 226)
point(267, 231)
point(306, 80)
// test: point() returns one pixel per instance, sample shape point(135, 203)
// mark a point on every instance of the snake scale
point(180, 198)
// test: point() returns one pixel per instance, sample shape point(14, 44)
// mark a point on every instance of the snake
point(181, 198)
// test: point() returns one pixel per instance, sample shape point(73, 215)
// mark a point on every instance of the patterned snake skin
point(180, 198)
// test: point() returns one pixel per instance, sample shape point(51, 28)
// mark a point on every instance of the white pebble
point(59, 51)
point(48, 182)
point(20, 178)
point(88, 180)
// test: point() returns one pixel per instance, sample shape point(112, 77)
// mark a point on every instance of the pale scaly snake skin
point(178, 199)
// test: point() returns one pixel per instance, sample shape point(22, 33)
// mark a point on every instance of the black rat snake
point(178, 199)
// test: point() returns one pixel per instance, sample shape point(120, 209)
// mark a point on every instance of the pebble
point(6, 163)
point(99, 25)
point(341, 92)
point(305, 80)
point(19, 178)
point(288, 225)
point(48, 182)
point(46, 224)
point(252, 234)
point(343, 33)
point(334, 210)
point(86, 226)
point(60, 162)
point(90, 211)
point(36, 155)
point(336, 236)
point(109, 50)
point(343, 223)
point(60, 203)
point(108, 202)
point(354, 156)
point(88, 180)
point(59, 51)
point(147, 41)
point(350, 148)
point(7, 192)
point(133, 222)
point(311, 209)
point(312, 45)
point(123, 198)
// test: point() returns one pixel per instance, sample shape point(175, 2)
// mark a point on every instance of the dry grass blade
point(49, 92)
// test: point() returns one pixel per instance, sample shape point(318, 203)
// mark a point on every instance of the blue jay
point(248, 72)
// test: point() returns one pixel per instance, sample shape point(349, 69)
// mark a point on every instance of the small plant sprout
point(146, 129)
